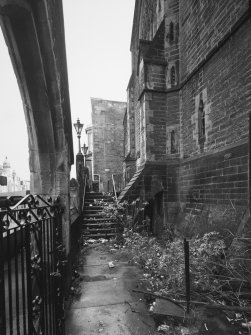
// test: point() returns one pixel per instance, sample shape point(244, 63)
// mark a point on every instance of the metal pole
point(187, 273)
point(2, 288)
point(79, 146)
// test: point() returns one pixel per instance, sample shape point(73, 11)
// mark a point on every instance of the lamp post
point(78, 126)
point(85, 149)
point(80, 166)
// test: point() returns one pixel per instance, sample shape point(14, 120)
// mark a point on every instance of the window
point(172, 76)
point(173, 142)
point(171, 32)
point(201, 124)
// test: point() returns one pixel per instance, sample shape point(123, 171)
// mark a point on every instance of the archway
point(35, 39)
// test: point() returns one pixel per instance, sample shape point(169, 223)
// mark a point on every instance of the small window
point(172, 76)
point(202, 123)
point(173, 143)
point(171, 32)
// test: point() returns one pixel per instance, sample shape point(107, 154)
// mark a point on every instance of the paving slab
point(107, 304)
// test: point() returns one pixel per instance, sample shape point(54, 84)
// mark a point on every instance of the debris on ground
point(91, 241)
point(111, 265)
point(216, 279)
point(165, 307)
point(163, 328)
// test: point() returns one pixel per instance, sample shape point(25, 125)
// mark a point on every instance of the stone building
point(105, 141)
point(187, 122)
point(12, 183)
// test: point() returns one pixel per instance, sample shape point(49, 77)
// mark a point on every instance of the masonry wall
point(224, 83)
point(204, 24)
point(108, 137)
point(213, 180)
point(199, 56)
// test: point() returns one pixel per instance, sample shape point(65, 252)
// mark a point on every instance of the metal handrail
point(85, 184)
point(114, 188)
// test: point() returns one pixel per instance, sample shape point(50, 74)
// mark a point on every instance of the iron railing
point(31, 262)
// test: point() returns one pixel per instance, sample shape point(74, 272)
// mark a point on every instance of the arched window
point(202, 123)
point(172, 76)
point(171, 32)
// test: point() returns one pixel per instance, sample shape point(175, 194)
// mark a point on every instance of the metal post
point(79, 145)
point(187, 273)
point(2, 289)
point(29, 277)
point(80, 179)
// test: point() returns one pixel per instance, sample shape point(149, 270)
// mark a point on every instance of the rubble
point(111, 265)
point(163, 328)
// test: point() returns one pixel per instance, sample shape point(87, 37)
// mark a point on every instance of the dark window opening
point(171, 32)
point(202, 124)
point(173, 76)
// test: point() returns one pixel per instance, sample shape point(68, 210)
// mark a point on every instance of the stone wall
point(223, 84)
point(191, 84)
point(108, 139)
point(203, 25)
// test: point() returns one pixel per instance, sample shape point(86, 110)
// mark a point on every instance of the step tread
point(100, 224)
point(96, 223)
point(99, 220)
point(99, 235)
point(94, 207)
point(97, 230)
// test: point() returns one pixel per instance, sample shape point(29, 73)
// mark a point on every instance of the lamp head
point(85, 149)
point(78, 126)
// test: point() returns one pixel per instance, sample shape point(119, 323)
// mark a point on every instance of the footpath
point(104, 303)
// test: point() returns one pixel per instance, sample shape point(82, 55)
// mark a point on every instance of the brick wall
point(213, 191)
point(224, 79)
point(218, 178)
point(155, 104)
point(203, 24)
point(200, 56)
point(213, 181)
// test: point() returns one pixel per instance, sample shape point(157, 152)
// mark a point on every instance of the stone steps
point(96, 223)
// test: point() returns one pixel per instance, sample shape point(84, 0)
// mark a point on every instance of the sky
point(98, 34)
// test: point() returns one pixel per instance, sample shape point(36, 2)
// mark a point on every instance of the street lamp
point(85, 149)
point(78, 126)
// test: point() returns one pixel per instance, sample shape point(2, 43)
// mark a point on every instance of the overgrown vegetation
point(218, 275)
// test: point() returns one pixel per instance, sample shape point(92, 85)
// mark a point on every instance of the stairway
point(96, 223)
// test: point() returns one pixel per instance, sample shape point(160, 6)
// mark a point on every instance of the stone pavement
point(107, 304)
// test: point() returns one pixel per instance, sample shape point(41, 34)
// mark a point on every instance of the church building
point(187, 122)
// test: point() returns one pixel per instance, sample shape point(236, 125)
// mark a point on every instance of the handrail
point(114, 188)
point(85, 184)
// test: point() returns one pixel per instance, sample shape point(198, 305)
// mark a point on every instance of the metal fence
point(31, 262)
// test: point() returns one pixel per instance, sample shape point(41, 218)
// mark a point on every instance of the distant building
point(9, 180)
point(105, 141)
point(89, 134)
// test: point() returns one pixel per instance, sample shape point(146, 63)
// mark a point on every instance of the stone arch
point(35, 41)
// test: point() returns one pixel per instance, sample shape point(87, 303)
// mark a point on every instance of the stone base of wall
point(198, 195)
point(209, 193)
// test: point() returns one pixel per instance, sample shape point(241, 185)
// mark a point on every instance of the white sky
point(98, 34)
